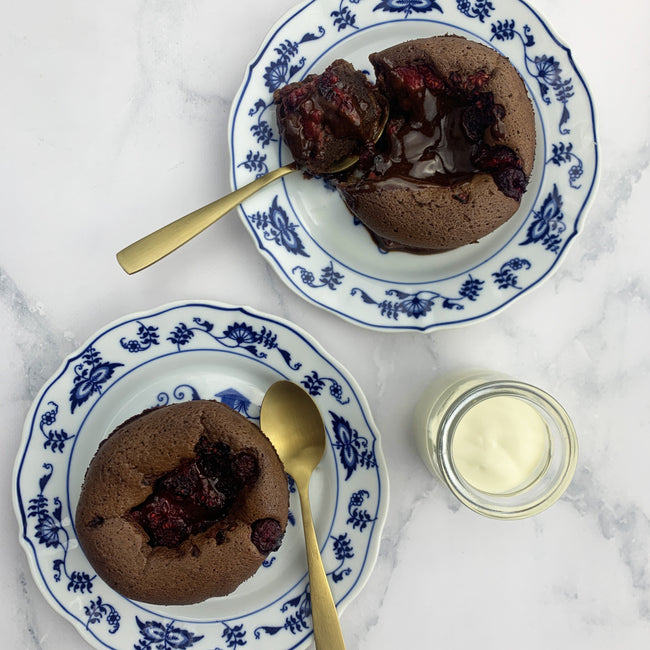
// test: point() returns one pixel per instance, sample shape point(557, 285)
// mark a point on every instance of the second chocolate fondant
point(457, 152)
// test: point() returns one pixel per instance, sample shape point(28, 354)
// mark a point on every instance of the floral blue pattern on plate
point(178, 352)
point(321, 252)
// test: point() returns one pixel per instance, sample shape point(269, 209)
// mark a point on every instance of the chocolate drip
point(436, 141)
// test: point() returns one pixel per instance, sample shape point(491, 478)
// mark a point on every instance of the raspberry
point(431, 81)
point(326, 82)
point(245, 467)
point(410, 77)
point(394, 125)
point(367, 156)
point(494, 158)
point(512, 182)
point(331, 90)
point(505, 167)
point(196, 494)
point(470, 84)
point(345, 104)
point(212, 458)
point(481, 114)
point(295, 97)
point(182, 481)
point(477, 80)
point(266, 535)
point(163, 521)
point(208, 496)
point(170, 532)
point(311, 126)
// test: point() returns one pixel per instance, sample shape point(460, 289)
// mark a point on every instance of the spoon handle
point(167, 239)
point(327, 628)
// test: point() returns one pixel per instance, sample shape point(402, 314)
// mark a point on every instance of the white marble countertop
point(114, 122)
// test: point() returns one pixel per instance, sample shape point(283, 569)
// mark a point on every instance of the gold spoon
point(292, 421)
point(167, 239)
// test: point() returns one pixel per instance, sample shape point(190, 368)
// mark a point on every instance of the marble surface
point(114, 122)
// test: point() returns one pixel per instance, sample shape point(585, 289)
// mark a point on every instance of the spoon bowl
point(291, 420)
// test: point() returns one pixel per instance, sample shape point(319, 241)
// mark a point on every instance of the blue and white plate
point(178, 352)
point(311, 240)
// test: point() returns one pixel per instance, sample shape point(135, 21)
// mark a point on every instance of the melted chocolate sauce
point(429, 146)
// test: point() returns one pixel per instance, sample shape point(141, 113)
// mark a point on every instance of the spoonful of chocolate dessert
point(326, 120)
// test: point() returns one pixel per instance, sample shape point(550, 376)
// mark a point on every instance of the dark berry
point(182, 481)
point(367, 156)
point(212, 457)
point(409, 77)
point(470, 84)
point(512, 182)
point(505, 167)
point(493, 158)
point(334, 92)
point(266, 535)
point(312, 124)
point(163, 520)
point(208, 496)
point(326, 82)
point(394, 125)
point(431, 80)
point(480, 115)
point(245, 467)
point(293, 98)
point(196, 494)
point(415, 78)
point(477, 80)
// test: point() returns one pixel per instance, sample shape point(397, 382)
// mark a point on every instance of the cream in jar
point(504, 448)
point(500, 445)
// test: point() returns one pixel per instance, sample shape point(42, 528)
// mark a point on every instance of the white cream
point(500, 445)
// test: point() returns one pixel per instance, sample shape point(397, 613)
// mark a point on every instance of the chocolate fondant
point(457, 152)
point(182, 503)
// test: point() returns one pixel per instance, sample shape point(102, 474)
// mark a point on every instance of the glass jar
point(504, 448)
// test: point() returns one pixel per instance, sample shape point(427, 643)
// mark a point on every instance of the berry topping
point(470, 83)
point(295, 97)
point(505, 167)
point(245, 467)
point(418, 77)
point(267, 535)
point(196, 494)
point(493, 158)
point(409, 77)
point(512, 182)
point(480, 115)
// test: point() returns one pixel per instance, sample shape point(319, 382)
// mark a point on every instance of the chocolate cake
point(182, 503)
point(457, 151)
point(327, 117)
